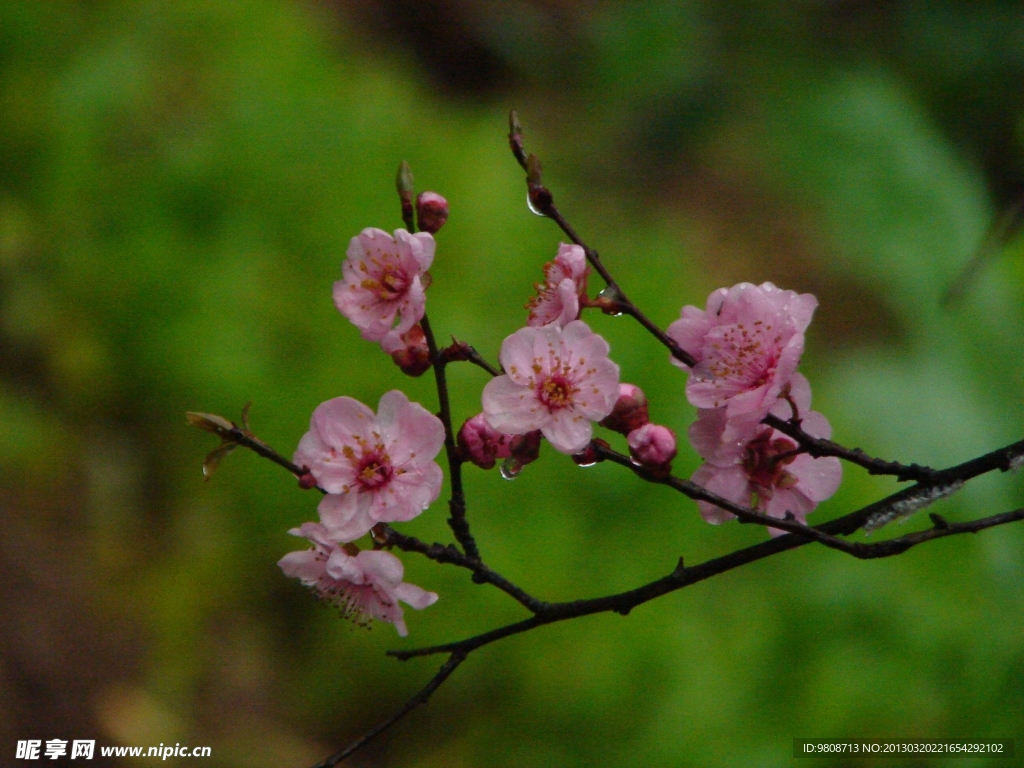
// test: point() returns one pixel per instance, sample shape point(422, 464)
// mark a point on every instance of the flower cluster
point(373, 468)
point(556, 381)
point(747, 344)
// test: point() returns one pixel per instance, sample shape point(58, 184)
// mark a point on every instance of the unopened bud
point(307, 481)
point(526, 448)
point(431, 211)
point(515, 137)
point(409, 351)
point(459, 351)
point(405, 187)
point(630, 411)
point(590, 456)
point(404, 182)
point(481, 444)
point(652, 445)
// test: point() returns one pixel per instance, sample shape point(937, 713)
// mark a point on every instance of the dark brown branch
point(421, 697)
point(681, 577)
point(457, 502)
point(450, 554)
point(460, 351)
point(699, 493)
point(818, 447)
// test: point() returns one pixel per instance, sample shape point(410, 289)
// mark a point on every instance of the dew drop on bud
point(533, 210)
point(510, 468)
point(611, 294)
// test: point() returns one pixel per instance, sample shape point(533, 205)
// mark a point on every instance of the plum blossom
point(557, 380)
point(375, 468)
point(363, 584)
point(382, 280)
point(747, 344)
point(652, 445)
point(759, 466)
point(565, 280)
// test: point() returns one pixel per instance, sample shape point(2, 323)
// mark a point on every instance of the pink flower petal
point(414, 596)
point(728, 482)
point(511, 408)
point(568, 431)
point(344, 517)
point(302, 565)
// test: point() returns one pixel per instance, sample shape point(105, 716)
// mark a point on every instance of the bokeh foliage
point(178, 184)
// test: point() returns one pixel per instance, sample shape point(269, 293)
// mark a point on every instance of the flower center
point(765, 462)
point(556, 392)
point(374, 470)
point(391, 284)
point(746, 357)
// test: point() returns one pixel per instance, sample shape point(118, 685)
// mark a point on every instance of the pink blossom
point(382, 281)
point(374, 468)
point(557, 380)
point(362, 584)
point(747, 344)
point(565, 280)
point(757, 466)
point(652, 445)
point(483, 445)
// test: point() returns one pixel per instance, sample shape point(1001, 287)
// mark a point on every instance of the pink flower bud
point(481, 444)
point(630, 411)
point(409, 351)
point(526, 448)
point(652, 445)
point(431, 211)
point(307, 481)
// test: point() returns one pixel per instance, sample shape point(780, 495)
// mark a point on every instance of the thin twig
point(699, 493)
point(543, 202)
point(818, 447)
point(457, 503)
point(450, 554)
point(421, 697)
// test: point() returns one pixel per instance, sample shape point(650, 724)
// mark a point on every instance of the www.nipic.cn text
point(36, 749)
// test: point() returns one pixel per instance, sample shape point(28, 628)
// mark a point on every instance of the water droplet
point(587, 464)
point(612, 294)
point(529, 204)
point(510, 468)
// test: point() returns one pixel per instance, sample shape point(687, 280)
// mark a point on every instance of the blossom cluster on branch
point(767, 457)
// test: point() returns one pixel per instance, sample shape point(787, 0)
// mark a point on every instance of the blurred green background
point(178, 184)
